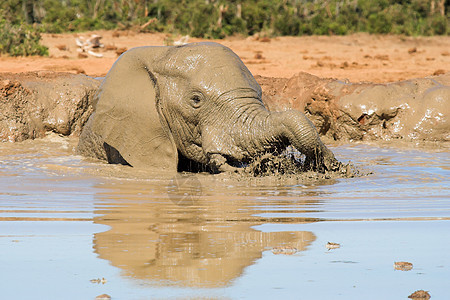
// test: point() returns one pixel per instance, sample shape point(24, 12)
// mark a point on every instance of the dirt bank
point(358, 57)
point(412, 110)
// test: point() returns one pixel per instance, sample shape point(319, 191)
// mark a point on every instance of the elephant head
point(197, 102)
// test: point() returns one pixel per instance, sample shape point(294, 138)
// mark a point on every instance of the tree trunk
point(28, 11)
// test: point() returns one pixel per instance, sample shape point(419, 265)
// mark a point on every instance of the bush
point(379, 23)
point(200, 18)
point(438, 25)
point(20, 40)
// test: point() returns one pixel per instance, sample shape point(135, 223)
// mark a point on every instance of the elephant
point(168, 107)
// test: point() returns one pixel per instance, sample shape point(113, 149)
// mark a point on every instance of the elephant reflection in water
point(207, 244)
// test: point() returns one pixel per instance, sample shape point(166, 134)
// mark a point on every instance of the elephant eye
point(196, 99)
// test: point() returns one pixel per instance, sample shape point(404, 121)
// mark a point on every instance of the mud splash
point(290, 165)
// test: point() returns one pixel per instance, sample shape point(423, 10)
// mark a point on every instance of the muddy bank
point(413, 110)
point(34, 103)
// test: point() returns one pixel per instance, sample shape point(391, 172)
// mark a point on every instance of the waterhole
point(66, 221)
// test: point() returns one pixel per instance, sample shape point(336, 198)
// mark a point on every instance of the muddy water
point(65, 220)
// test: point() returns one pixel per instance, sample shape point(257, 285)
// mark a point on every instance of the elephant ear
point(128, 115)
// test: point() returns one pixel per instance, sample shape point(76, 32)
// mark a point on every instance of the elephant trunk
point(261, 131)
point(302, 134)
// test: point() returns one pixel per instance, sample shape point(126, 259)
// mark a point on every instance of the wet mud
point(34, 103)
point(414, 110)
point(290, 165)
point(420, 294)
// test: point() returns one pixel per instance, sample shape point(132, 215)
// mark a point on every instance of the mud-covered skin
point(199, 101)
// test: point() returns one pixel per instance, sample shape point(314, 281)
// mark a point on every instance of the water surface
point(65, 220)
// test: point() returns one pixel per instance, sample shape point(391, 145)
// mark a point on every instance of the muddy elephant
point(160, 107)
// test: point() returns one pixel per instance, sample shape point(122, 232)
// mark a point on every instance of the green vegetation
point(20, 40)
point(220, 18)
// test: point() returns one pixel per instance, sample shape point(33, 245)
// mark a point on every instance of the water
point(65, 220)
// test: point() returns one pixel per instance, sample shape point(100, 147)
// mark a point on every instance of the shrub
point(20, 40)
point(439, 25)
point(379, 23)
point(200, 18)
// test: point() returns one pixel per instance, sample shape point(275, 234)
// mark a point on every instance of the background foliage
point(219, 18)
point(20, 40)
